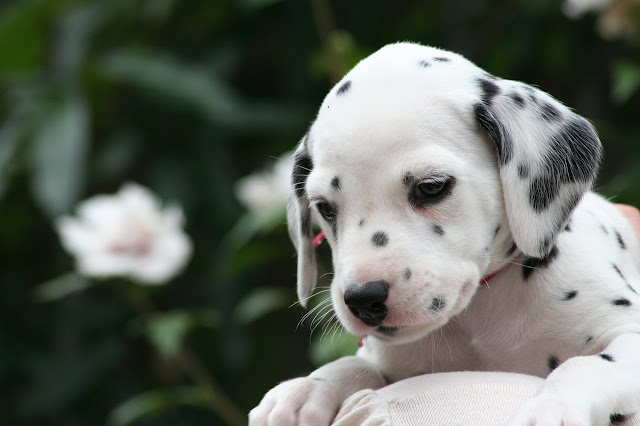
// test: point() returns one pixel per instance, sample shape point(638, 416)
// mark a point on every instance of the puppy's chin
point(400, 334)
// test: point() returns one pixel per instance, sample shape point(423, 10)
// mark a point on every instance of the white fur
point(399, 118)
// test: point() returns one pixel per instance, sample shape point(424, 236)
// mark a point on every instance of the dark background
point(187, 97)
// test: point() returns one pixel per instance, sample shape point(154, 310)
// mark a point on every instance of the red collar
point(318, 239)
point(487, 278)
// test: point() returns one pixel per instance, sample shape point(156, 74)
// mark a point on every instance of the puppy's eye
point(328, 211)
point(431, 189)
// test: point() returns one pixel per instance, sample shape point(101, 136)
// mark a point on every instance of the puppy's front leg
point(589, 390)
point(315, 399)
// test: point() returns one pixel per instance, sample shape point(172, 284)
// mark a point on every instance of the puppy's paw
point(301, 401)
point(550, 410)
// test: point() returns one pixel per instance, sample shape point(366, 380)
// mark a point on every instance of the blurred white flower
point(621, 19)
point(577, 8)
point(126, 235)
point(618, 18)
point(267, 189)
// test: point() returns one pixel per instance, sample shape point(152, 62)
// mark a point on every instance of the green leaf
point(23, 33)
point(159, 10)
point(63, 376)
point(154, 402)
point(625, 81)
point(61, 287)
point(167, 331)
point(73, 36)
point(58, 155)
point(251, 224)
point(257, 4)
point(9, 138)
point(199, 89)
point(259, 303)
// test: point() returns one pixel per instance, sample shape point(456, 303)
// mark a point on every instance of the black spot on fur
point(604, 229)
point(334, 229)
point(615, 268)
point(380, 239)
point(622, 302)
point(511, 249)
point(495, 233)
point(302, 166)
point(489, 90)
point(441, 59)
point(567, 227)
point(361, 223)
point(544, 245)
point(319, 379)
point(305, 223)
point(533, 263)
point(335, 183)
point(344, 88)
point(517, 99)
point(549, 112)
point(523, 170)
point(572, 156)
point(553, 362)
point(496, 131)
point(542, 191)
point(437, 304)
point(617, 418)
point(407, 274)
point(531, 92)
point(438, 229)
point(408, 179)
point(570, 295)
point(424, 64)
point(620, 241)
point(606, 357)
point(590, 338)
point(486, 253)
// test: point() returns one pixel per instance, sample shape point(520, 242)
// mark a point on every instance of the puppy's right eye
point(328, 211)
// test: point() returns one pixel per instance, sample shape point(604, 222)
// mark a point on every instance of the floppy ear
point(299, 223)
point(548, 158)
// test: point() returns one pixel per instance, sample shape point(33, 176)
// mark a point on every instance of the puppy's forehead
point(403, 97)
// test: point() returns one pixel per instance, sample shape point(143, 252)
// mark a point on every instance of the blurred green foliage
point(186, 97)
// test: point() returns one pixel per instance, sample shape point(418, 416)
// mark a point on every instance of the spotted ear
point(299, 223)
point(548, 158)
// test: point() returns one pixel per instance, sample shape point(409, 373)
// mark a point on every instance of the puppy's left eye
point(431, 189)
point(328, 211)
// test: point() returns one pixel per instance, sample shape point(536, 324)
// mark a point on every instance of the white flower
point(126, 235)
point(266, 189)
point(576, 8)
point(617, 18)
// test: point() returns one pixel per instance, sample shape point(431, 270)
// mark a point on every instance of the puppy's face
point(422, 171)
point(409, 206)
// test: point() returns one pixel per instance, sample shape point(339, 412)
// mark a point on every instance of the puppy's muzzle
point(365, 301)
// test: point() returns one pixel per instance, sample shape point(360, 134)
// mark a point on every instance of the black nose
point(365, 301)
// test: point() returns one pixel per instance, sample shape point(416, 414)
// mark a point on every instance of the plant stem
point(189, 363)
point(326, 31)
point(218, 401)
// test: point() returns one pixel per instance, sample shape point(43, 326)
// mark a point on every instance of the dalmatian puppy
point(464, 236)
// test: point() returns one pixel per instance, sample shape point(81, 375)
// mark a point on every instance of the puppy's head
point(425, 173)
